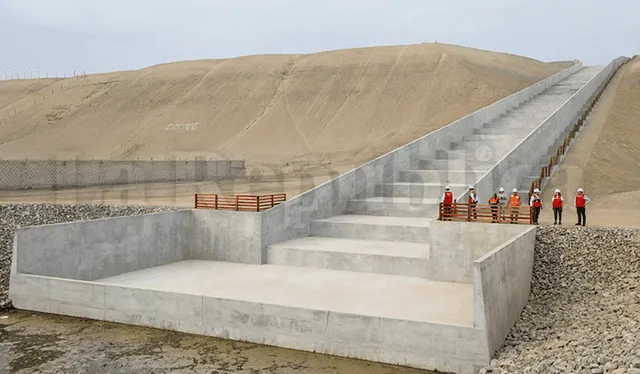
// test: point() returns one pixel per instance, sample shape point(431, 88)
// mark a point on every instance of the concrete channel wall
point(292, 219)
point(502, 282)
point(455, 246)
point(45, 174)
point(94, 249)
point(518, 163)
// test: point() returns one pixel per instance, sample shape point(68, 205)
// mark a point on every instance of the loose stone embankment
point(583, 314)
point(13, 216)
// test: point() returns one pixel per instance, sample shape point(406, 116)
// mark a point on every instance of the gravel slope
point(13, 216)
point(583, 314)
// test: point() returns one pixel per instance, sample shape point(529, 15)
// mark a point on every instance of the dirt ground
point(42, 343)
point(604, 160)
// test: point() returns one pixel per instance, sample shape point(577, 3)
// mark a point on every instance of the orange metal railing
point(464, 212)
point(245, 203)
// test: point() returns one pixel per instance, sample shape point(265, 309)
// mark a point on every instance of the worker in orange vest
point(580, 203)
point(557, 207)
point(514, 204)
point(494, 202)
point(447, 201)
point(536, 203)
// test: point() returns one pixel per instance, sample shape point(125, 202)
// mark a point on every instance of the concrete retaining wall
point(456, 245)
point(227, 236)
point(292, 219)
point(502, 282)
point(22, 174)
point(520, 160)
point(95, 249)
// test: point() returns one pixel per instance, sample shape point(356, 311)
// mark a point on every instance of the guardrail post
point(195, 201)
point(215, 201)
point(468, 212)
point(530, 215)
point(439, 211)
point(237, 203)
point(272, 201)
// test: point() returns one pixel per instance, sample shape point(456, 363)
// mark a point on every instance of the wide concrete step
point(394, 206)
point(365, 256)
point(495, 130)
point(418, 190)
point(394, 229)
point(441, 176)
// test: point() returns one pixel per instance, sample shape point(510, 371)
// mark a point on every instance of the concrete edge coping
point(446, 127)
point(503, 245)
point(95, 283)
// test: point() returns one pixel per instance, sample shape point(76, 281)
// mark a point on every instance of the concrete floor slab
point(369, 294)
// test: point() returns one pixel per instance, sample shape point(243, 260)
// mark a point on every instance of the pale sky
point(60, 36)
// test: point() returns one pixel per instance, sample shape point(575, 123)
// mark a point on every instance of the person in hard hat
point(580, 202)
point(447, 201)
point(473, 201)
point(502, 201)
point(514, 205)
point(494, 202)
point(558, 200)
point(536, 203)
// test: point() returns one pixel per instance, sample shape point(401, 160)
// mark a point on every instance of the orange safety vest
point(557, 201)
point(515, 200)
point(536, 201)
point(493, 201)
point(580, 202)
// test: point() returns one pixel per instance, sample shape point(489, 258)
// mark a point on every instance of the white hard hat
point(471, 187)
point(514, 190)
point(501, 189)
point(557, 190)
point(536, 190)
point(580, 190)
point(447, 188)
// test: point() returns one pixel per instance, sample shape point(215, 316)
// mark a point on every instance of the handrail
point(240, 202)
point(464, 212)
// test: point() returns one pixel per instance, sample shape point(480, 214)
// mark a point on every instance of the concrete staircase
point(388, 233)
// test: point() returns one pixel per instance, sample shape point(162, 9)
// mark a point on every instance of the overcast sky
point(65, 35)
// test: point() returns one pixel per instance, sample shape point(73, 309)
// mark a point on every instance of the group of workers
point(501, 202)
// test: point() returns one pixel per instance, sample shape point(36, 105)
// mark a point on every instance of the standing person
point(536, 203)
point(502, 201)
point(514, 205)
point(557, 207)
point(473, 201)
point(494, 202)
point(447, 201)
point(580, 202)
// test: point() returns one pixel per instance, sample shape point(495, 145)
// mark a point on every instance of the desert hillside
point(605, 159)
point(353, 104)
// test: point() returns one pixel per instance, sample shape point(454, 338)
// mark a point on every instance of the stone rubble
point(583, 314)
point(13, 216)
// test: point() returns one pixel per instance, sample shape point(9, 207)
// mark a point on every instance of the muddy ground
point(42, 343)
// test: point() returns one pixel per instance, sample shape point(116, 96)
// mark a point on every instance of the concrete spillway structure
point(356, 267)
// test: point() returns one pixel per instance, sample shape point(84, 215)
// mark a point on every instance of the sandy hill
point(353, 104)
point(605, 160)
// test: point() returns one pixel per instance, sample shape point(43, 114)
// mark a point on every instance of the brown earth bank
point(343, 106)
point(605, 158)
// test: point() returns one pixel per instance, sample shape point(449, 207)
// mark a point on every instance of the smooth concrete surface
point(456, 245)
point(520, 160)
point(293, 219)
point(227, 236)
point(371, 256)
point(394, 206)
point(88, 250)
point(502, 282)
point(404, 229)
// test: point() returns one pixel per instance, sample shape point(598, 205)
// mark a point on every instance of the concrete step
point(441, 176)
point(394, 206)
point(363, 256)
point(394, 229)
point(450, 155)
point(418, 190)
point(461, 164)
point(494, 130)
point(488, 138)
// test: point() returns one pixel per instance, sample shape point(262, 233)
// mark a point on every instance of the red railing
point(485, 213)
point(245, 203)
